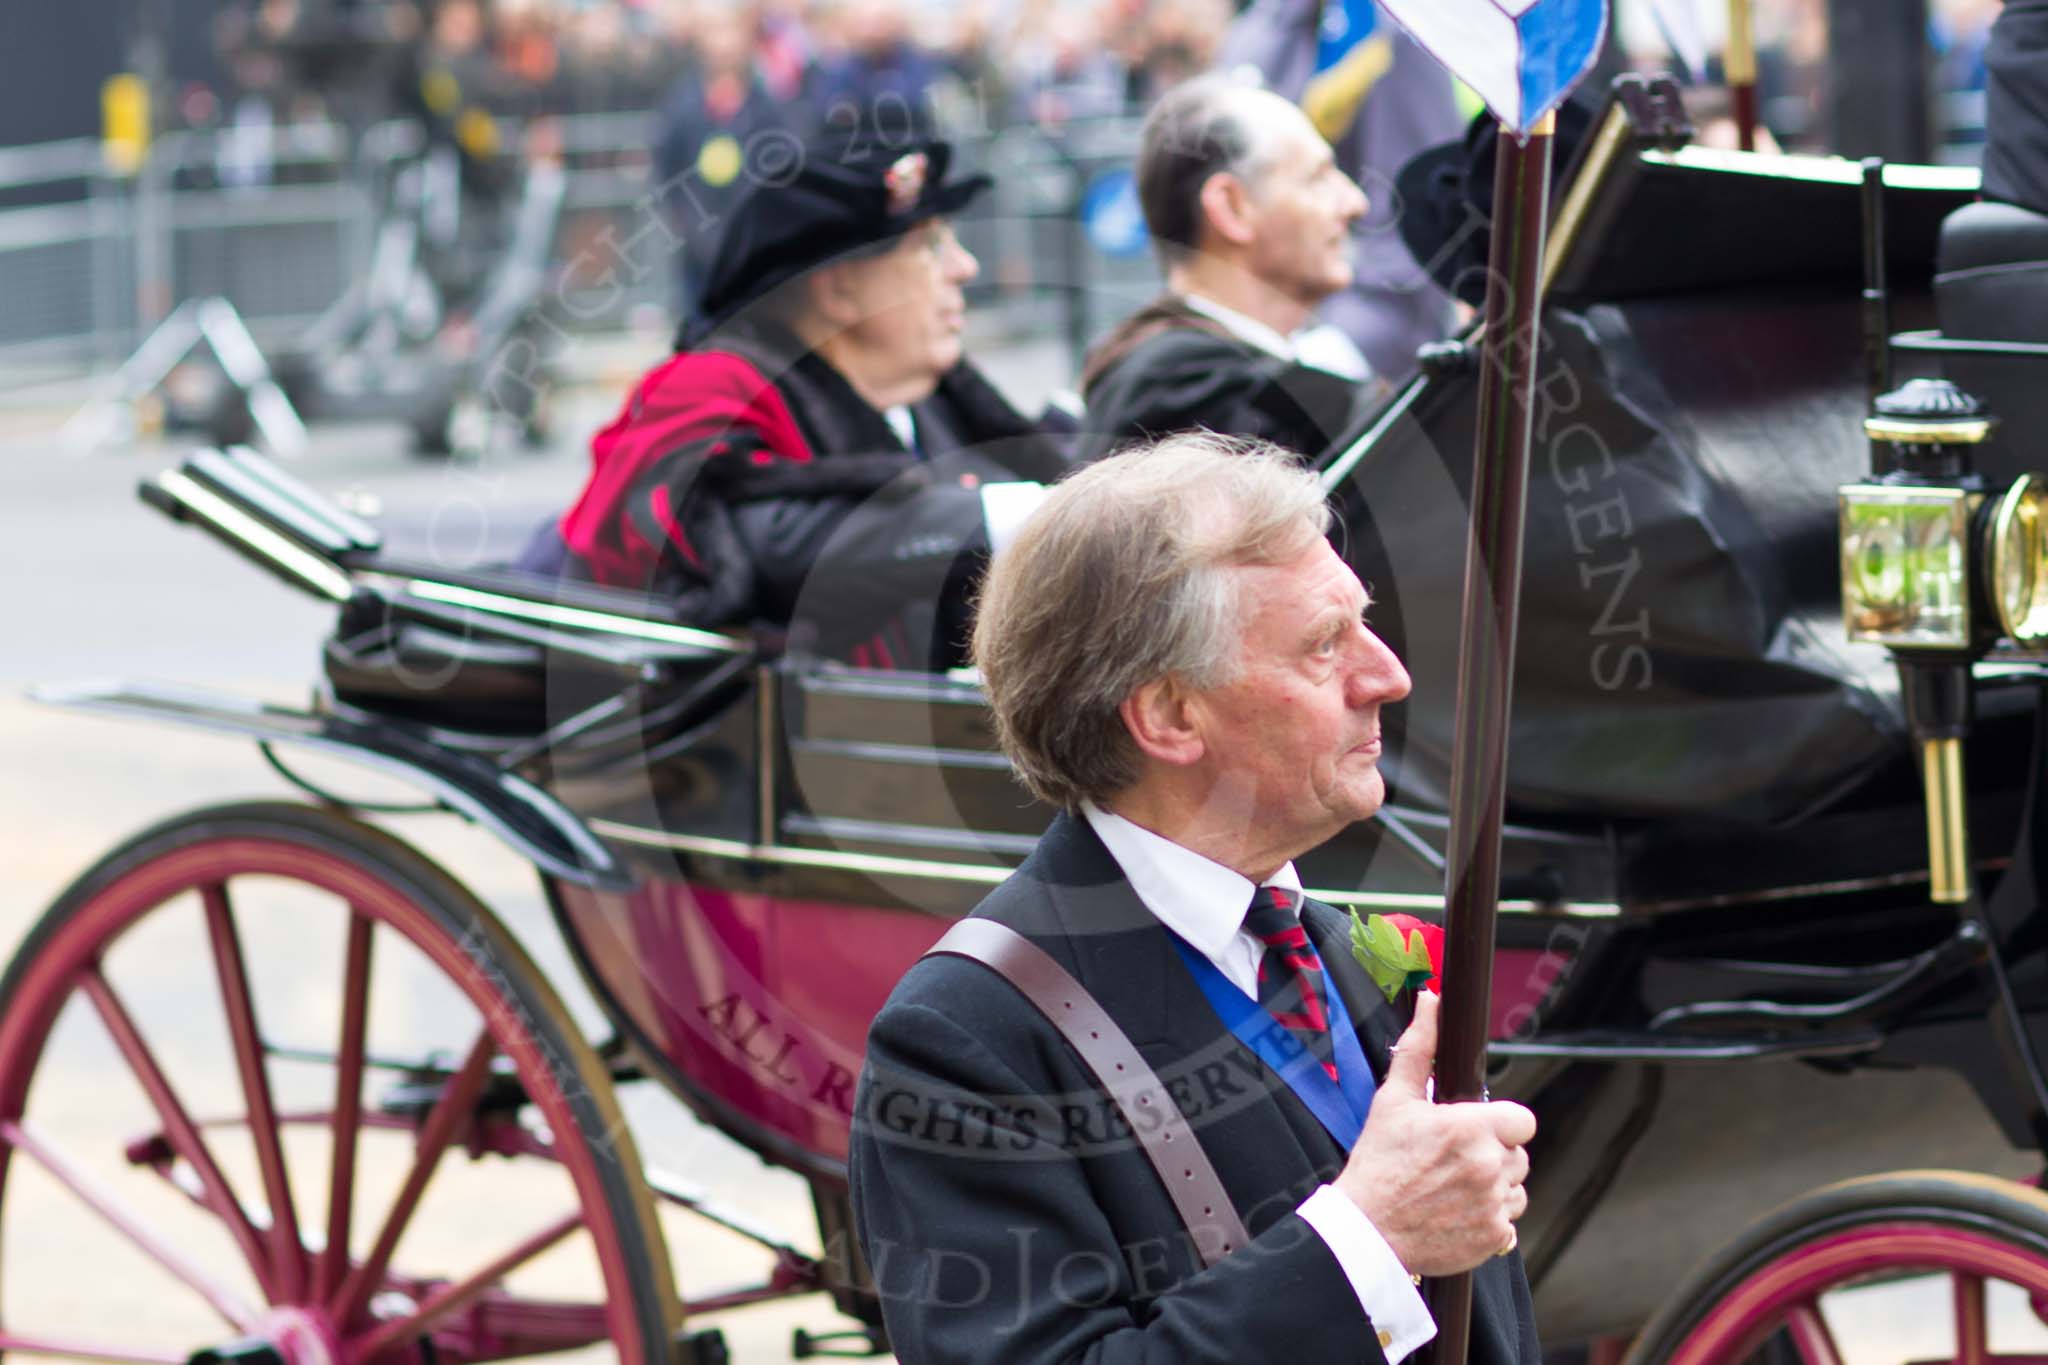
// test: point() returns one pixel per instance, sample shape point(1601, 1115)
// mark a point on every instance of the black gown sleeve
point(1188, 379)
point(848, 562)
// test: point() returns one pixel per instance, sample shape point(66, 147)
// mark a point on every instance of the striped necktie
point(1290, 973)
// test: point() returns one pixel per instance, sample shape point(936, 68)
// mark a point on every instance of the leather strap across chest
point(1161, 1129)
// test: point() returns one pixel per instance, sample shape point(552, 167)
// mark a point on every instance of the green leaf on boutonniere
point(1395, 962)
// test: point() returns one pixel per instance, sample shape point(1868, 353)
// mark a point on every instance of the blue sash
point(1339, 1105)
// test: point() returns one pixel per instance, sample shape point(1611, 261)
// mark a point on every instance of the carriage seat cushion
point(1991, 281)
point(417, 673)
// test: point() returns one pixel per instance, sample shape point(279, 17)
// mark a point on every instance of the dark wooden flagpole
point(1493, 586)
point(1738, 66)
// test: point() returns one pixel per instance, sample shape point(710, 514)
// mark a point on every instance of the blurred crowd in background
point(971, 66)
point(681, 95)
point(994, 62)
point(667, 104)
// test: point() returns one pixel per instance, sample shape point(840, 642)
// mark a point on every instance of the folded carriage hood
point(1681, 650)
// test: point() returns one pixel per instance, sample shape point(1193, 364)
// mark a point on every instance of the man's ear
point(831, 292)
point(1162, 723)
point(1227, 207)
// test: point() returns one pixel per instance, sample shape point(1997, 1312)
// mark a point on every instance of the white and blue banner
point(1522, 57)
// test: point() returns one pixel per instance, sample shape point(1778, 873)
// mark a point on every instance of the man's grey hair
point(1198, 129)
point(1123, 577)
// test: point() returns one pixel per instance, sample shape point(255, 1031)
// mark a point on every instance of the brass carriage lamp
point(1931, 563)
point(1938, 573)
point(1906, 580)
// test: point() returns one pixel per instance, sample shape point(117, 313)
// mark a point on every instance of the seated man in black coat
point(1177, 658)
point(1253, 221)
point(817, 454)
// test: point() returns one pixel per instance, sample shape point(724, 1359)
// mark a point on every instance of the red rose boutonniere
point(1399, 952)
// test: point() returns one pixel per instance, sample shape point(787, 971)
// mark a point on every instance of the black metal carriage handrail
point(1934, 342)
point(509, 594)
point(471, 615)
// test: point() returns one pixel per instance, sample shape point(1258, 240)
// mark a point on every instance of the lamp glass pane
point(1905, 580)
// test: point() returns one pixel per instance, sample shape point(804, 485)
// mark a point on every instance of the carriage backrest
point(1993, 287)
point(1700, 394)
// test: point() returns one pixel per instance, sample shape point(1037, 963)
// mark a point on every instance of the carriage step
point(415, 1097)
point(420, 1085)
point(703, 1348)
point(1625, 1045)
point(252, 1351)
point(852, 1344)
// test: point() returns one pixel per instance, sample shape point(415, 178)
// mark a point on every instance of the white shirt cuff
point(1390, 1299)
point(1005, 507)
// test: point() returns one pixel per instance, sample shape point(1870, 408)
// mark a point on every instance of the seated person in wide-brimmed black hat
point(817, 454)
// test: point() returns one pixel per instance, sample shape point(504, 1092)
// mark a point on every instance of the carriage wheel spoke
point(1810, 1335)
point(129, 1224)
point(287, 1254)
point(348, 1103)
point(447, 1115)
point(179, 1130)
point(1972, 1328)
point(448, 1298)
point(68, 1349)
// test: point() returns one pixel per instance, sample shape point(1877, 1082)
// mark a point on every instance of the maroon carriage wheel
point(307, 1028)
point(1766, 1297)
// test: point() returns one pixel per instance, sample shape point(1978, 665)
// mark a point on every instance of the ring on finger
point(1509, 1244)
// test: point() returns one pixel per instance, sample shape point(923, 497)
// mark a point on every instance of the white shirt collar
point(1201, 900)
point(903, 422)
point(1245, 329)
point(1319, 345)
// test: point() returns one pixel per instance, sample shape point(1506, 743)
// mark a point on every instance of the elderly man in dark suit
point(1177, 658)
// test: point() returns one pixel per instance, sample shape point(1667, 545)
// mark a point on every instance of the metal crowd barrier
point(1059, 241)
point(88, 274)
point(62, 264)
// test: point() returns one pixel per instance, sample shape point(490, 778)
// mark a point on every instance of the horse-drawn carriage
point(1769, 966)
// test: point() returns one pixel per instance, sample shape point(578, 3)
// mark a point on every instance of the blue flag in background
point(1522, 57)
point(1344, 25)
point(1353, 50)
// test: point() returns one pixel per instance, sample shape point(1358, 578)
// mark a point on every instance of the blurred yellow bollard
point(124, 123)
